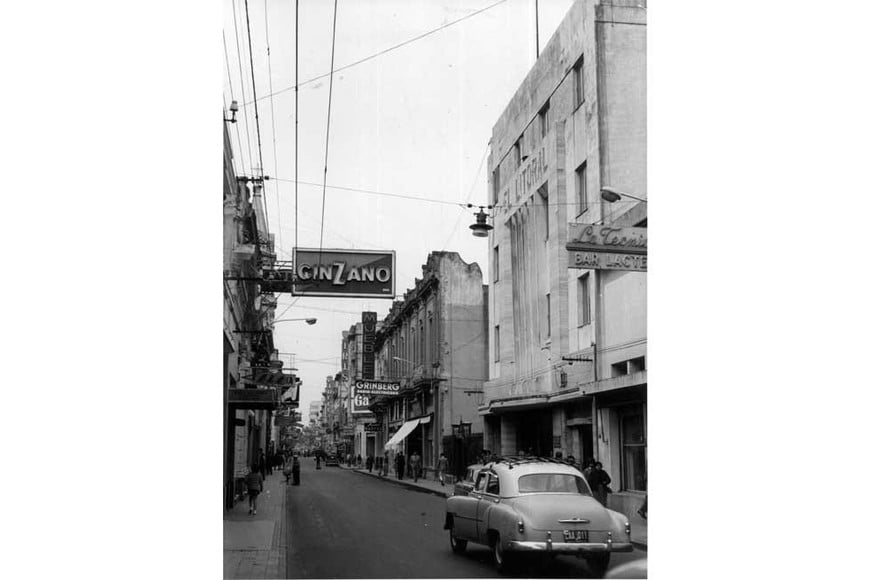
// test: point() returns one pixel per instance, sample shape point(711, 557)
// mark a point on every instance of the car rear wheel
point(504, 560)
point(598, 564)
point(456, 544)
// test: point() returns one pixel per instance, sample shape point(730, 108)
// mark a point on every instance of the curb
point(404, 484)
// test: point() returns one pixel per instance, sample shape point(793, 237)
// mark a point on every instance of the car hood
point(543, 511)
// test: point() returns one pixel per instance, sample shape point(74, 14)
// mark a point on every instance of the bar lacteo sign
point(604, 247)
point(344, 273)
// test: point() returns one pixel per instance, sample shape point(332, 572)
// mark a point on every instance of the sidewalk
point(255, 546)
point(638, 524)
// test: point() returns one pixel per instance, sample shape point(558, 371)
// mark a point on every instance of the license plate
point(576, 535)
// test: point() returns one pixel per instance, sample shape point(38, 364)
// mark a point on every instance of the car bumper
point(571, 548)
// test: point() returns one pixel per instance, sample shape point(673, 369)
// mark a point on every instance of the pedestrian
point(262, 463)
point(414, 463)
point(269, 461)
point(369, 463)
point(559, 455)
point(400, 465)
point(599, 481)
point(297, 468)
point(571, 460)
point(441, 467)
point(358, 460)
point(385, 466)
point(254, 481)
point(588, 467)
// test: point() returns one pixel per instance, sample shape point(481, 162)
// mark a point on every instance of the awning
point(403, 432)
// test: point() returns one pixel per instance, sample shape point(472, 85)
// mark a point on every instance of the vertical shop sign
point(369, 323)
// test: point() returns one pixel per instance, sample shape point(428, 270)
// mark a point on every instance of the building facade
point(247, 337)
point(567, 360)
point(434, 342)
point(314, 412)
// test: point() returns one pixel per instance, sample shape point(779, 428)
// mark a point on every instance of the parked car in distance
point(331, 459)
point(465, 484)
point(533, 505)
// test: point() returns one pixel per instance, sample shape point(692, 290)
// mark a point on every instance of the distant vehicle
point(466, 483)
point(331, 459)
point(536, 505)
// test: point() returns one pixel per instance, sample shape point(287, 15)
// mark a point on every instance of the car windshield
point(552, 482)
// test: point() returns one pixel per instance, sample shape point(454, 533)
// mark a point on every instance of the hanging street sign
point(602, 261)
point(344, 273)
point(607, 238)
point(607, 247)
point(390, 388)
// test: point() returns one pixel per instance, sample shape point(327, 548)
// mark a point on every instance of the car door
point(464, 521)
point(489, 496)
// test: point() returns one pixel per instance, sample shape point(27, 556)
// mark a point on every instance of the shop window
point(632, 433)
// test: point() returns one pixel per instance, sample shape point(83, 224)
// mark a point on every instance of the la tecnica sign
point(344, 273)
point(607, 247)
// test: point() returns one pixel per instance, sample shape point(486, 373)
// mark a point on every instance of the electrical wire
point(233, 97)
point(296, 132)
point(272, 106)
point(373, 192)
point(256, 111)
point(385, 51)
point(328, 118)
point(242, 84)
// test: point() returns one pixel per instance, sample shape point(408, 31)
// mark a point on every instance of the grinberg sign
point(344, 273)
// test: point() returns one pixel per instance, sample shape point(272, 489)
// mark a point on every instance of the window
point(497, 343)
point(481, 480)
point(583, 301)
point(518, 151)
point(544, 120)
point(553, 483)
point(548, 317)
point(581, 199)
point(633, 437)
point(492, 484)
point(495, 264)
point(545, 211)
point(495, 184)
point(579, 86)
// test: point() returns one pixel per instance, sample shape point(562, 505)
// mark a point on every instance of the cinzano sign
point(344, 273)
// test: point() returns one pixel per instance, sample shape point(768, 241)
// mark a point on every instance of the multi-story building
point(314, 412)
point(568, 346)
point(434, 341)
point(247, 345)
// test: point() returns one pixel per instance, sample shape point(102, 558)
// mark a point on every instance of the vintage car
point(536, 505)
point(331, 459)
point(466, 483)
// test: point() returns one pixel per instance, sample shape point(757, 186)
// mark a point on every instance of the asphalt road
point(345, 525)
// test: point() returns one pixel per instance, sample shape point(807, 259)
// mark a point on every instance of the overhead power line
point(328, 118)
point(385, 51)
point(242, 83)
point(272, 106)
point(256, 110)
point(372, 192)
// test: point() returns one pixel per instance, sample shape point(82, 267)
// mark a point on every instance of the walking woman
point(297, 468)
point(254, 481)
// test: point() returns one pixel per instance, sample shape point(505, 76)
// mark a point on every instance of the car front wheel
point(456, 544)
point(598, 565)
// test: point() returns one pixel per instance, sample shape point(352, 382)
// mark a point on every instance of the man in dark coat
point(599, 481)
point(400, 465)
point(369, 463)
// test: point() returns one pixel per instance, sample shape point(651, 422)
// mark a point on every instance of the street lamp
point(480, 228)
point(234, 108)
point(308, 321)
point(611, 195)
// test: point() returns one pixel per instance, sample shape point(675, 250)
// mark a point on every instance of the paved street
point(341, 524)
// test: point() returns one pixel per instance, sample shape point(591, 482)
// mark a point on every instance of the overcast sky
point(415, 121)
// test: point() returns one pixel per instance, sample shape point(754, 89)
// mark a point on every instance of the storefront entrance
point(535, 432)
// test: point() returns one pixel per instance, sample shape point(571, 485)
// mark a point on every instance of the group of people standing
point(413, 464)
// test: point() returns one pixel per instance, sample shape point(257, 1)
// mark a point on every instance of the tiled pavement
point(255, 545)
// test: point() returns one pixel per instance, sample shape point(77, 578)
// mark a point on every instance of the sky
point(415, 121)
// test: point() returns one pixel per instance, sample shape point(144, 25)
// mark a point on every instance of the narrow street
point(344, 525)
